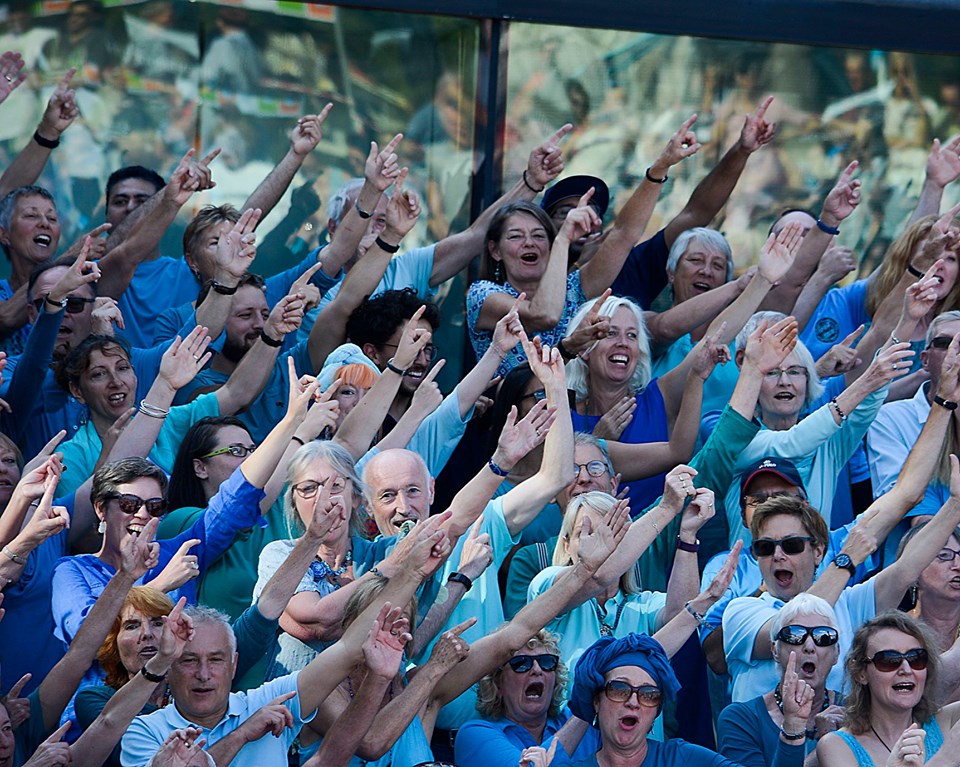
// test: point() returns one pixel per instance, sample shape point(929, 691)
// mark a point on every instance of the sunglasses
point(538, 395)
point(521, 664)
point(74, 304)
point(823, 636)
point(594, 468)
point(620, 692)
point(237, 451)
point(131, 504)
point(891, 660)
point(940, 342)
point(792, 544)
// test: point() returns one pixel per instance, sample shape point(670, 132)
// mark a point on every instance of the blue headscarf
point(607, 653)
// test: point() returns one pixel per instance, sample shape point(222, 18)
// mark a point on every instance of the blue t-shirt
point(839, 313)
point(157, 285)
point(644, 273)
point(499, 742)
point(13, 343)
point(672, 753)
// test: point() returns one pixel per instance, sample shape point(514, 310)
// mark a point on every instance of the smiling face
point(399, 489)
point(786, 575)
point(614, 359)
point(74, 328)
point(248, 315)
point(782, 396)
point(415, 373)
point(624, 726)
point(900, 689)
point(34, 232)
point(699, 269)
point(202, 676)
point(120, 525)
point(940, 580)
point(813, 663)
point(527, 696)
point(523, 249)
point(138, 639)
point(109, 384)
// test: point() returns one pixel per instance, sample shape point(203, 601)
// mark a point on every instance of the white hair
point(709, 238)
point(802, 604)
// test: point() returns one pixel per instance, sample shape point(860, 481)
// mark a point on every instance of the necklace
point(321, 570)
point(811, 731)
point(605, 629)
point(882, 741)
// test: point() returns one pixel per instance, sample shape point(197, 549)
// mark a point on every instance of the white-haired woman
point(821, 443)
point(780, 728)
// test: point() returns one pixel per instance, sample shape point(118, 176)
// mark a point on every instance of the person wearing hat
point(621, 686)
point(526, 260)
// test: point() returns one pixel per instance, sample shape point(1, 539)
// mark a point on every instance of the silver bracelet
point(153, 411)
point(700, 619)
point(14, 556)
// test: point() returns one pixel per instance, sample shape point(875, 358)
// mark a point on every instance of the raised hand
point(329, 511)
point(920, 297)
point(545, 362)
point(184, 359)
point(910, 749)
point(17, 708)
point(105, 315)
point(477, 553)
point(53, 752)
point(797, 698)
point(581, 220)
point(11, 76)
point(451, 648)
point(840, 358)
point(382, 168)
point(678, 487)
point(598, 540)
point(778, 252)
point(545, 162)
point(306, 290)
point(285, 317)
point(892, 362)
point(301, 391)
point(307, 133)
point(508, 331)
point(836, 263)
point(40, 458)
point(721, 581)
point(61, 109)
point(767, 347)
point(949, 387)
point(943, 163)
point(48, 520)
point(383, 647)
point(140, 553)
point(756, 130)
point(189, 177)
point(95, 249)
point(941, 238)
point(591, 329)
point(412, 341)
point(33, 481)
point(520, 437)
point(428, 396)
point(681, 145)
point(954, 478)
point(182, 749)
point(322, 415)
point(238, 247)
point(273, 718)
point(710, 353)
point(177, 631)
point(80, 273)
point(698, 512)
point(183, 568)
point(403, 211)
point(844, 198)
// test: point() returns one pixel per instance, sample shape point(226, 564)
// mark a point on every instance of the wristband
point(945, 403)
point(529, 185)
point(793, 735)
point(360, 211)
point(385, 246)
point(700, 619)
point(394, 368)
point(653, 180)
point(155, 678)
point(295, 438)
point(153, 411)
point(59, 304)
point(500, 472)
point(14, 556)
point(462, 579)
point(376, 571)
point(826, 228)
point(276, 344)
point(836, 406)
point(223, 290)
point(693, 548)
point(914, 271)
point(46, 143)
point(564, 352)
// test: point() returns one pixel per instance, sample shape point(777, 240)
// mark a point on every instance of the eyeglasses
point(430, 350)
point(792, 544)
point(940, 342)
point(237, 451)
point(521, 664)
point(74, 304)
point(792, 372)
point(823, 636)
point(594, 468)
point(755, 499)
point(131, 504)
point(620, 692)
point(947, 555)
point(538, 395)
point(890, 660)
point(308, 488)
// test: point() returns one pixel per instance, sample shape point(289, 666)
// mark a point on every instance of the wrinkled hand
point(545, 162)
point(273, 718)
point(581, 220)
point(477, 553)
point(797, 697)
point(106, 313)
point(710, 352)
point(681, 145)
point(53, 752)
point(678, 487)
point(767, 346)
point(829, 720)
point(329, 511)
point(177, 631)
point(183, 568)
point(910, 749)
point(546, 363)
point(843, 199)
point(598, 540)
point(412, 341)
point(61, 109)
point(451, 648)
point(238, 247)
point(508, 331)
point(382, 168)
point(182, 749)
point(140, 553)
point(836, 263)
point(33, 481)
point(11, 74)
point(518, 438)
point(892, 362)
point(591, 329)
point(861, 542)
point(184, 359)
point(840, 358)
point(779, 251)
point(616, 419)
point(383, 647)
point(537, 756)
point(403, 211)
point(920, 297)
point(943, 163)
point(698, 512)
point(307, 133)
point(756, 131)
point(286, 316)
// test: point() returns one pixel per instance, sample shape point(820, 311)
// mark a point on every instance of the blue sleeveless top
point(933, 742)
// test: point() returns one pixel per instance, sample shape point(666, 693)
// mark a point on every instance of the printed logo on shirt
point(827, 330)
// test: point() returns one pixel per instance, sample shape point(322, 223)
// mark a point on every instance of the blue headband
point(609, 653)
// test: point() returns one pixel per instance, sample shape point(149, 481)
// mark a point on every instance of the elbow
point(544, 319)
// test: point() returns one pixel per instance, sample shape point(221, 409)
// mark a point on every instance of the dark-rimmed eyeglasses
point(823, 636)
point(521, 664)
point(620, 692)
point(594, 468)
point(74, 304)
point(792, 544)
point(237, 451)
point(131, 504)
point(537, 395)
point(891, 660)
point(309, 487)
point(947, 555)
point(430, 350)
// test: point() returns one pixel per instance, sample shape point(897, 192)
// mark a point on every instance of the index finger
point(57, 735)
point(598, 304)
point(475, 527)
point(398, 184)
point(100, 230)
point(433, 371)
point(187, 545)
point(848, 341)
point(327, 394)
point(281, 699)
point(687, 123)
point(64, 83)
point(849, 171)
point(304, 278)
point(515, 307)
point(210, 157)
point(392, 146)
point(458, 630)
point(558, 136)
point(587, 196)
point(762, 109)
point(18, 686)
point(324, 112)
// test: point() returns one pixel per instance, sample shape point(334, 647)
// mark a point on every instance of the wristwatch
point(844, 561)
point(61, 304)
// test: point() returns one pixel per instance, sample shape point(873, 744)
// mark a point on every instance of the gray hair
point(577, 370)
point(9, 202)
point(108, 478)
point(202, 614)
point(709, 238)
point(802, 604)
point(585, 438)
point(337, 205)
point(939, 320)
point(339, 460)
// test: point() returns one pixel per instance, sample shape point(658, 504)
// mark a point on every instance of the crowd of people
point(240, 523)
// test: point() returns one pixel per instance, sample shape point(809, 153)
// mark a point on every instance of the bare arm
point(943, 167)
point(667, 326)
point(837, 263)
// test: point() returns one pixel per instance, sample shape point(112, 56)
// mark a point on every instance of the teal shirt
point(716, 389)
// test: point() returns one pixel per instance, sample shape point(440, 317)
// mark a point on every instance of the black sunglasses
point(891, 660)
point(792, 544)
point(823, 636)
point(130, 504)
point(940, 342)
point(521, 664)
point(620, 692)
point(74, 304)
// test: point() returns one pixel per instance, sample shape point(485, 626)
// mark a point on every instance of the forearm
point(436, 618)
point(395, 717)
point(477, 381)
point(225, 750)
point(311, 618)
point(271, 189)
point(403, 431)
point(262, 462)
point(782, 297)
point(349, 232)
point(214, 311)
point(928, 204)
point(363, 422)
point(666, 327)
point(712, 193)
point(676, 632)
point(641, 534)
point(13, 517)
point(25, 168)
point(343, 739)
point(246, 382)
point(545, 309)
point(685, 418)
point(283, 583)
point(747, 391)
point(140, 434)
point(540, 611)
point(684, 583)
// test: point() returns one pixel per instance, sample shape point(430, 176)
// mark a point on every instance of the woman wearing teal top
point(891, 717)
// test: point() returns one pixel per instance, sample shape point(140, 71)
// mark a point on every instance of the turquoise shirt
point(717, 389)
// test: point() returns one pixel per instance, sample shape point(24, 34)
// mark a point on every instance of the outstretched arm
point(943, 167)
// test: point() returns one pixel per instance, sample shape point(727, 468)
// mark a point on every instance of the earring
point(498, 272)
point(102, 527)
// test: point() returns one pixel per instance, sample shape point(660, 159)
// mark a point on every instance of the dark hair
point(508, 395)
point(110, 476)
point(185, 486)
point(809, 517)
point(247, 279)
point(377, 318)
point(134, 171)
point(75, 364)
point(52, 263)
point(499, 222)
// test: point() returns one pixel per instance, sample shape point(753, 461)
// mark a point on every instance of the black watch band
point(223, 290)
point(155, 678)
point(944, 402)
point(394, 368)
point(843, 561)
point(462, 579)
point(275, 343)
